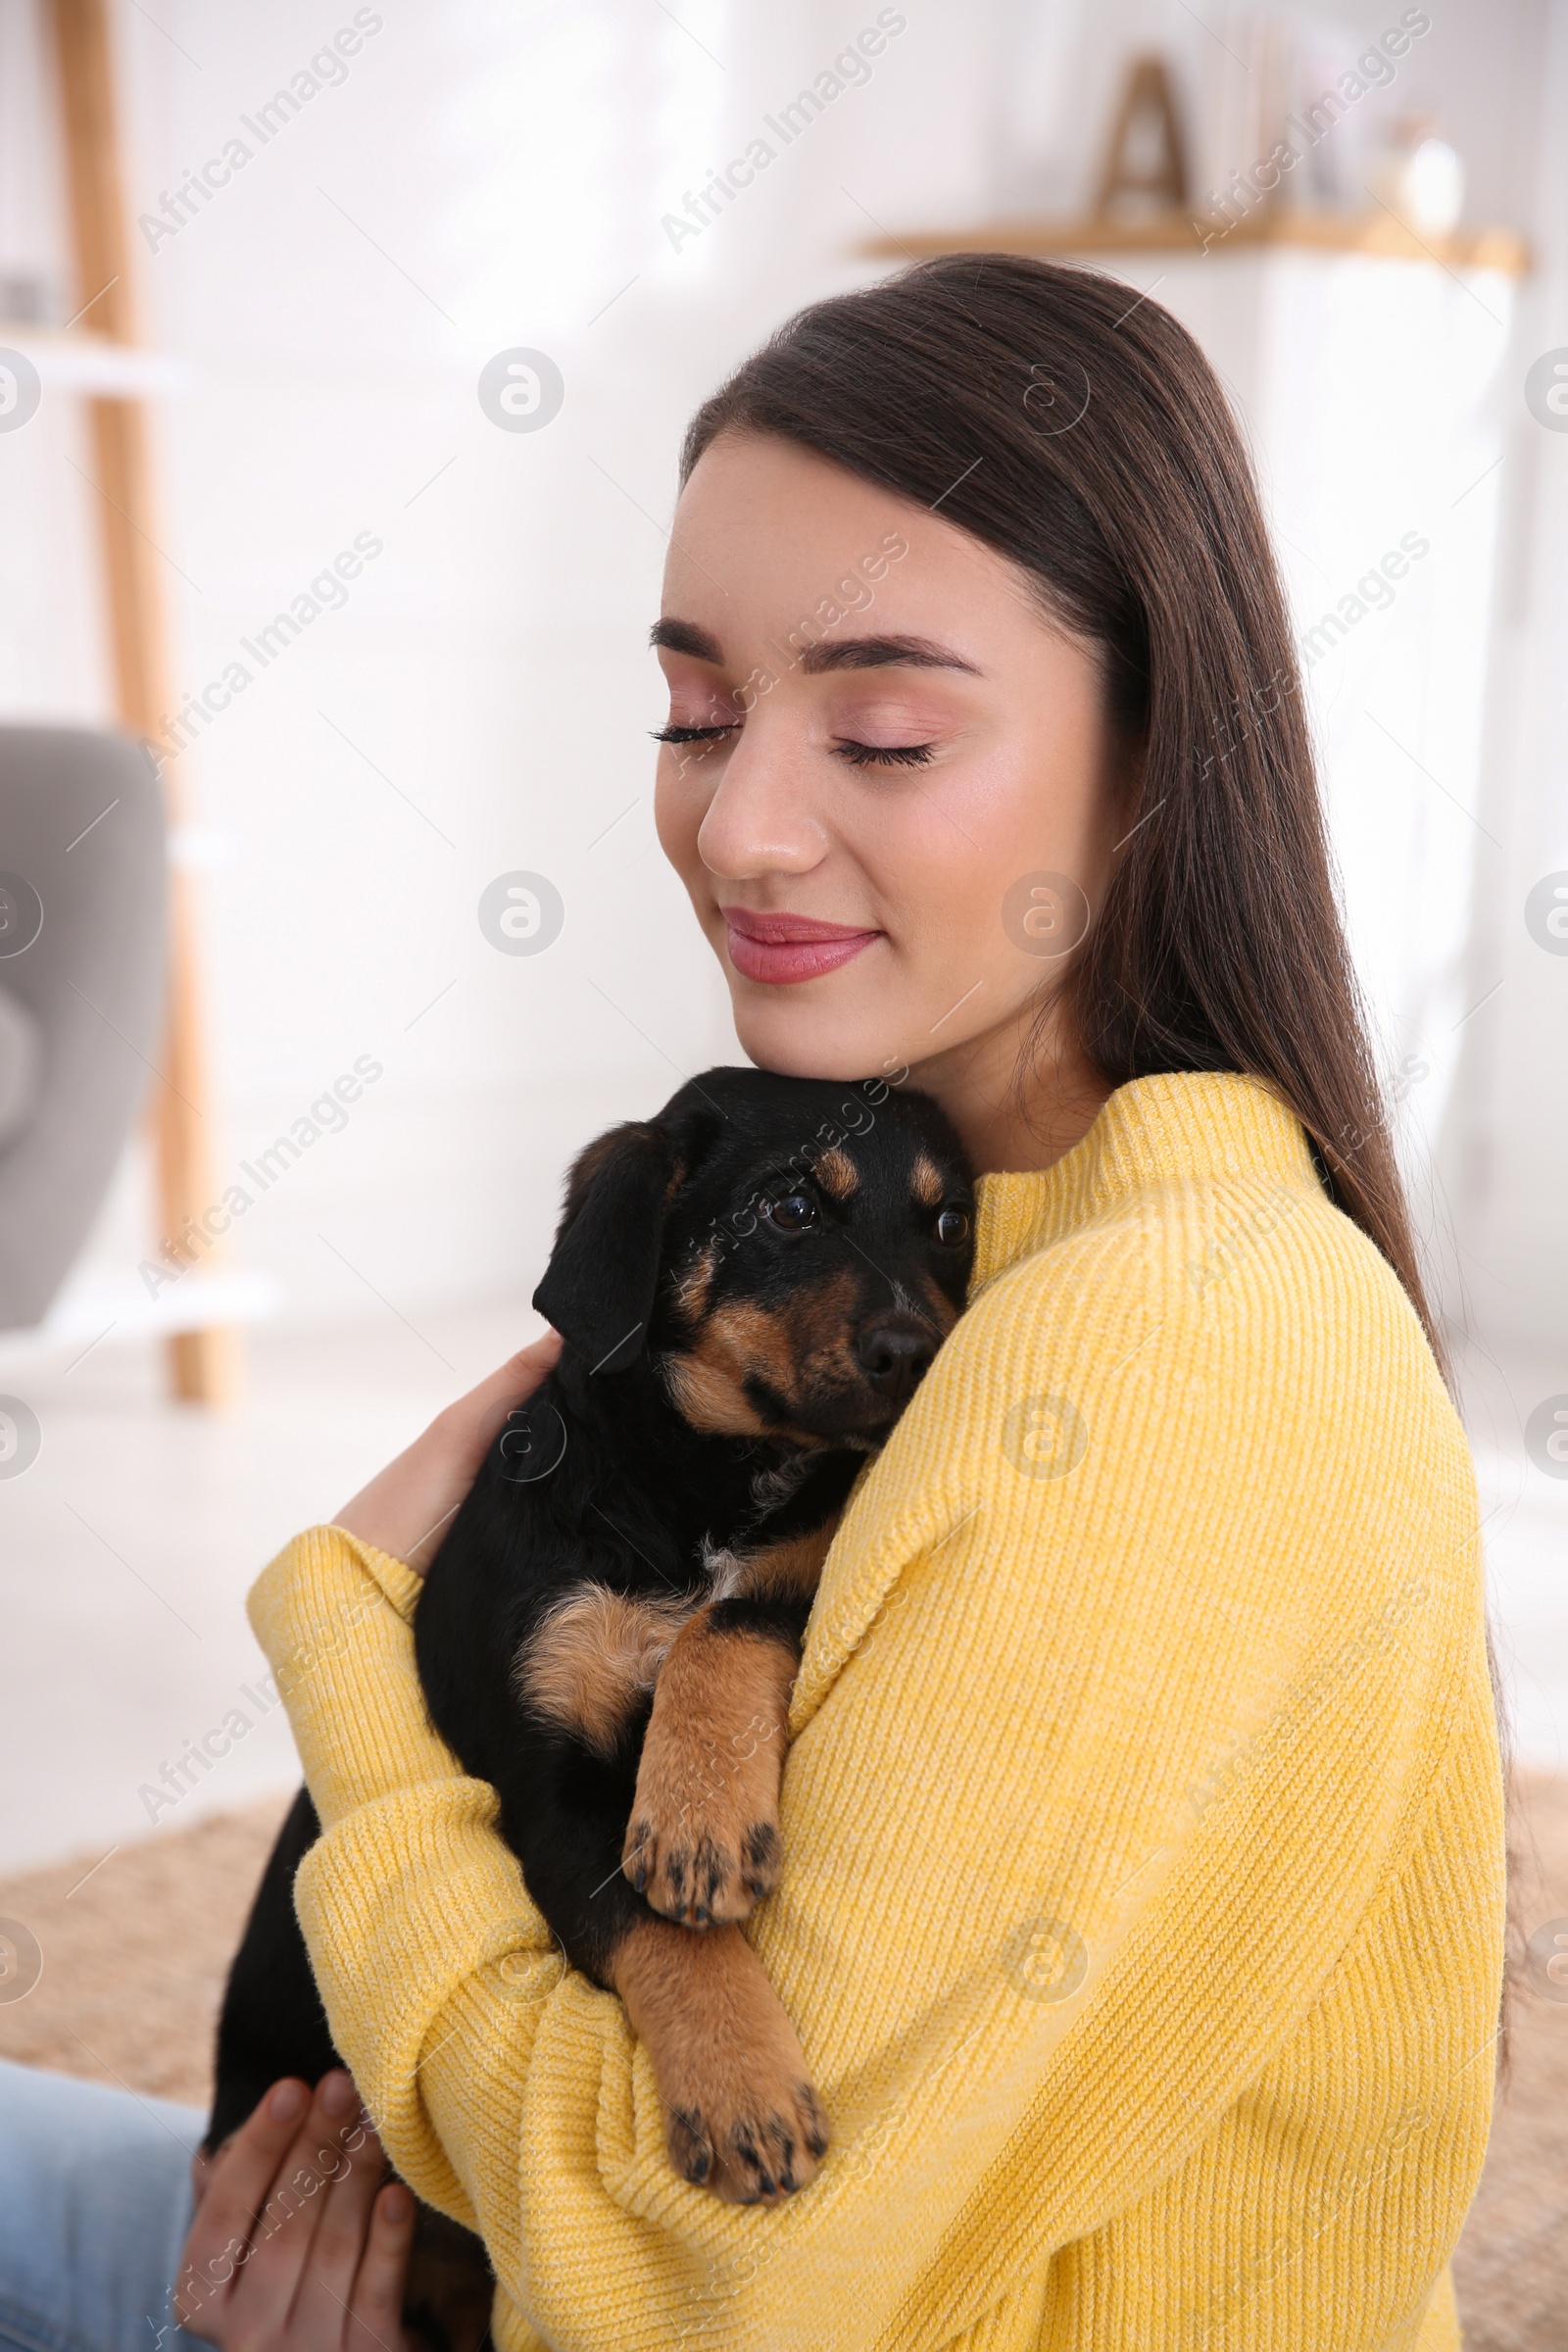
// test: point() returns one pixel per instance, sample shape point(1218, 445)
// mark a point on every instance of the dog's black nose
point(895, 1355)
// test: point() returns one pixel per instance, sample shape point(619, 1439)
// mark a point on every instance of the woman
point(1143, 1907)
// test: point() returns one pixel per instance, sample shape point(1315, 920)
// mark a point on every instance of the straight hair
point(1078, 429)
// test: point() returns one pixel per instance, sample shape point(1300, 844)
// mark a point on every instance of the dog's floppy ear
point(598, 1289)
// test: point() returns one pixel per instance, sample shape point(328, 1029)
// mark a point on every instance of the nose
point(761, 819)
point(895, 1355)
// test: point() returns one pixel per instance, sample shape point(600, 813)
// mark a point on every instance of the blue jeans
point(95, 2203)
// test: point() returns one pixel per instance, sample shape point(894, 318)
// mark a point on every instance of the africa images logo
point(521, 913)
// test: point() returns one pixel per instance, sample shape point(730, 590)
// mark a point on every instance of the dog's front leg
point(741, 2115)
point(703, 1842)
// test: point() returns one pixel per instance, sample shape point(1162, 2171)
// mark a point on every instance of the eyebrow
point(839, 653)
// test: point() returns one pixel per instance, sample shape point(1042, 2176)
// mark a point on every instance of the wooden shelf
point(94, 364)
point(1376, 233)
point(113, 375)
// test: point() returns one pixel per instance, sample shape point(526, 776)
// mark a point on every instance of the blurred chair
point(82, 989)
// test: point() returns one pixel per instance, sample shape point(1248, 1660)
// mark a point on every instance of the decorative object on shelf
point(1420, 177)
point(1259, 132)
point(1146, 160)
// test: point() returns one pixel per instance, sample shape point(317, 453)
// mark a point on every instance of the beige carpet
point(134, 1955)
point(1511, 2266)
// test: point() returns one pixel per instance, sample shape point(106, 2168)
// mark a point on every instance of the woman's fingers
point(239, 2180)
point(252, 2245)
point(324, 2295)
point(325, 2148)
point(475, 1419)
point(407, 1508)
point(375, 2317)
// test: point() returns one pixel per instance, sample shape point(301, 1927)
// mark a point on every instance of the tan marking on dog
point(819, 1320)
point(740, 2113)
point(702, 1841)
point(593, 1657)
point(787, 1571)
point(804, 1351)
point(704, 1394)
point(689, 1293)
point(943, 1310)
point(926, 1183)
point(837, 1174)
point(736, 1341)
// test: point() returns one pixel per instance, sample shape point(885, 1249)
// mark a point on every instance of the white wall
point(505, 171)
point(487, 177)
point(1505, 1153)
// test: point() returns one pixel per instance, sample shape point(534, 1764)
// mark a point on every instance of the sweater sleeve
point(1143, 1715)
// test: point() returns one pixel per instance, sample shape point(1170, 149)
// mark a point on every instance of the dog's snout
point(895, 1354)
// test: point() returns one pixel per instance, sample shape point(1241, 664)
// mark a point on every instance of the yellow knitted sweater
point(1142, 1912)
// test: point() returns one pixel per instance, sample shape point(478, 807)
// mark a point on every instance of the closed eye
point(853, 753)
point(883, 754)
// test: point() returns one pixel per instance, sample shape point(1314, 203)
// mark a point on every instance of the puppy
point(749, 1288)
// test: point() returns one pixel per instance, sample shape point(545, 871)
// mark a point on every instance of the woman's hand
point(296, 2245)
point(406, 1507)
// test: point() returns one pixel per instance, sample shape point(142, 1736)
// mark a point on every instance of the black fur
point(600, 1478)
point(273, 2022)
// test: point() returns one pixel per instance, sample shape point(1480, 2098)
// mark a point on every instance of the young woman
point(1143, 1907)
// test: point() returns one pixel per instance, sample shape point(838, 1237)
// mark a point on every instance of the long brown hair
point(1078, 429)
point(1082, 433)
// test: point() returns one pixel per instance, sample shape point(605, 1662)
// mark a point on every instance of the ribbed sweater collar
point(1150, 1131)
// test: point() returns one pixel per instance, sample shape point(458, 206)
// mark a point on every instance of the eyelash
point(884, 755)
point(857, 754)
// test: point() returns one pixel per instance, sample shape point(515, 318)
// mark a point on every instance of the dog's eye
point(795, 1212)
point(952, 1227)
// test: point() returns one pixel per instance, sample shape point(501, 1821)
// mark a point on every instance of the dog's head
point(790, 1252)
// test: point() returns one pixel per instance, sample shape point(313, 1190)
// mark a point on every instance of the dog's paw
point(742, 2117)
point(698, 1862)
point(754, 2149)
point(702, 1839)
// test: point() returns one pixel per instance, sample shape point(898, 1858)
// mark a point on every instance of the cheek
point(984, 881)
point(941, 853)
point(1035, 805)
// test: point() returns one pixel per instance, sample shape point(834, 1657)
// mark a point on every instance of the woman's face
point(891, 790)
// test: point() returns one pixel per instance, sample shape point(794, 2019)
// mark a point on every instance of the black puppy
point(749, 1288)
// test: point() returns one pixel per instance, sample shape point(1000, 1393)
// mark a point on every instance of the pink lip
point(783, 948)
